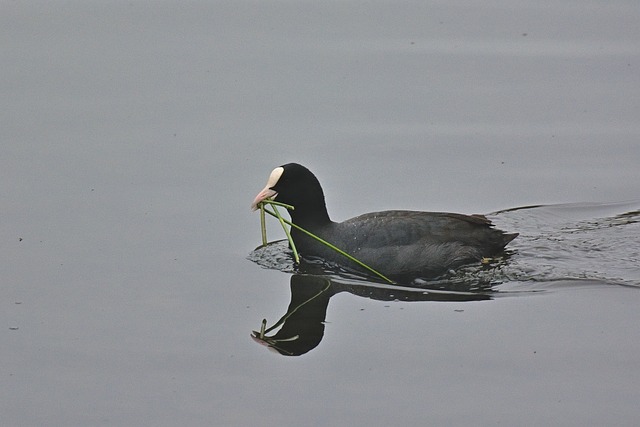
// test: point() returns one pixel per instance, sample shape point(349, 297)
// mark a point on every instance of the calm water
point(135, 136)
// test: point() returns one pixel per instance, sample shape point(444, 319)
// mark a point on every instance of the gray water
point(135, 135)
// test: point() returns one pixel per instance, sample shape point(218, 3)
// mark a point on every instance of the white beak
point(267, 192)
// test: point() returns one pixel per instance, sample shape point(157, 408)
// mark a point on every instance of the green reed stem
point(262, 331)
point(287, 232)
point(263, 225)
point(273, 202)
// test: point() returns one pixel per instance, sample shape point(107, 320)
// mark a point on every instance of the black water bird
point(397, 243)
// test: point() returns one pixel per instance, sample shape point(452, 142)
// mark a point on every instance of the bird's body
point(397, 243)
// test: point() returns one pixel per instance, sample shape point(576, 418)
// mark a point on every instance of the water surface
point(135, 136)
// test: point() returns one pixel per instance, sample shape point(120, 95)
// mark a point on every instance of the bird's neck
point(311, 219)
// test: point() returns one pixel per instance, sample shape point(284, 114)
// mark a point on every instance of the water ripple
point(575, 241)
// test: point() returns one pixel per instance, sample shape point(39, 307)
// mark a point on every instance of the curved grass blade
point(288, 233)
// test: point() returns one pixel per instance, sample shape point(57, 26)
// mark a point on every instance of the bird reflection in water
point(301, 329)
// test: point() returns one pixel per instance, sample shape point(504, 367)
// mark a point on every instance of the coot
point(397, 243)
